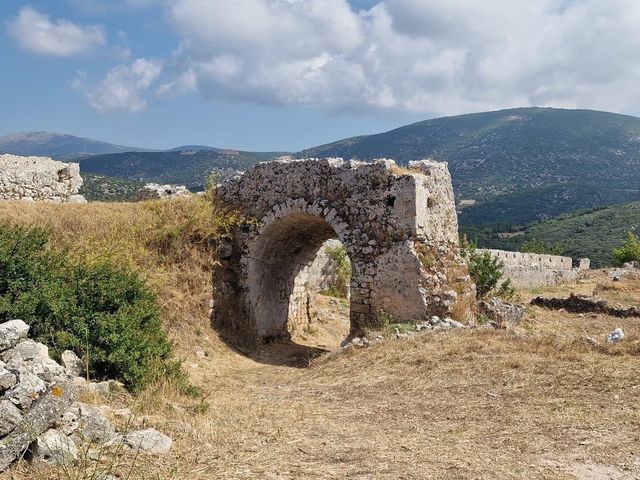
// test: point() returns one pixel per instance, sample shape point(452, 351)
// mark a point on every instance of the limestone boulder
point(28, 389)
point(502, 314)
point(39, 179)
point(148, 441)
point(10, 416)
point(12, 332)
point(55, 448)
point(93, 426)
point(72, 364)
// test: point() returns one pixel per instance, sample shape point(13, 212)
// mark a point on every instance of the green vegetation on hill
point(593, 234)
point(101, 188)
point(521, 164)
point(190, 168)
point(526, 206)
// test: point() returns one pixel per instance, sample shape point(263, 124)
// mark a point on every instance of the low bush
point(486, 272)
point(629, 252)
point(100, 310)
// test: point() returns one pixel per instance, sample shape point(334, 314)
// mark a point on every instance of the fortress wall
point(39, 179)
point(531, 270)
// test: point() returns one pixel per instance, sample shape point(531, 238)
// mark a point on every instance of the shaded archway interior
point(279, 261)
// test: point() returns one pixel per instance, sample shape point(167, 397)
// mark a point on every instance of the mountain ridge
point(511, 156)
point(512, 167)
point(58, 145)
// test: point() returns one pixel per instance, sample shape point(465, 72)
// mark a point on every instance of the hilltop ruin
point(398, 226)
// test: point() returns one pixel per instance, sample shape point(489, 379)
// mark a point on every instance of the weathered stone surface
point(502, 314)
point(33, 358)
point(72, 364)
point(38, 179)
point(12, 332)
point(148, 441)
point(7, 379)
point(399, 228)
point(55, 448)
point(28, 389)
point(42, 415)
point(10, 416)
point(38, 410)
point(69, 421)
point(93, 426)
point(79, 199)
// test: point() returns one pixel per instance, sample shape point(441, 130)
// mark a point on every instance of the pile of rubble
point(155, 190)
point(39, 415)
point(497, 314)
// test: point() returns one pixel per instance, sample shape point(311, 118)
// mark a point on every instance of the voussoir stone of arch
point(398, 225)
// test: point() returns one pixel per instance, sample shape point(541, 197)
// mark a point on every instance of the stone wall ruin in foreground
point(399, 227)
point(39, 179)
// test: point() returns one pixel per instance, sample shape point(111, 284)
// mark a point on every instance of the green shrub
point(486, 272)
point(101, 311)
point(629, 252)
point(342, 278)
point(536, 246)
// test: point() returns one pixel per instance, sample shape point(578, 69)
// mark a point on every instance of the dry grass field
point(535, 402)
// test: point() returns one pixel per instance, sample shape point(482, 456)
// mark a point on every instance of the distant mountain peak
point(52, 144)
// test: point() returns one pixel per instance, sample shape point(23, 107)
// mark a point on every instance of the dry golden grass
point(536, 402)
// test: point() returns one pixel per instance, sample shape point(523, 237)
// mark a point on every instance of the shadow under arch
point(278, 264)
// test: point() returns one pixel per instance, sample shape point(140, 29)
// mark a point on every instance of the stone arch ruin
point(398, 225)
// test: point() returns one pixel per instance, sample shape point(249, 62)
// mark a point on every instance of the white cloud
point(123, 88)
point(436, 56)
point(36, 33)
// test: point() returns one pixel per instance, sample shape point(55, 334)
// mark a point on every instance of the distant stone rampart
point(531, 270)
point(39, 179)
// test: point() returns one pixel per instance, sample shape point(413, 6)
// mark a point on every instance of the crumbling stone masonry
point(39, 179)
point(399, 227)
point(531, 270)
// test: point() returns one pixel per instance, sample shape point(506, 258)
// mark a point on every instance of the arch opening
point(293, 267)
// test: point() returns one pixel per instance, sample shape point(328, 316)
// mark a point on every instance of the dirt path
point(534, 403)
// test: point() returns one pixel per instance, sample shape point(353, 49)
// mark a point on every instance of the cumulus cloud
point(436, 57)
point(123, 88)
point(35, 32)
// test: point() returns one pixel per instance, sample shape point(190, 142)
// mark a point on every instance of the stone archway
point(399, 227)
point(277, 264)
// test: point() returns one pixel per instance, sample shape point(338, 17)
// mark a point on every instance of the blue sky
point(289, 74)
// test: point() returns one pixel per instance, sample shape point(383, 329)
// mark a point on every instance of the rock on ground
point(502, 314)
point(148, 441)
point(55, 448)
point(72, 364)
point(12, 332)
point(616, 336)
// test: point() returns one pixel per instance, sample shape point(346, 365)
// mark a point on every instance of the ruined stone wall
point(40, 417)
point(398, 226)
point(39, 179)
point(531, 270)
